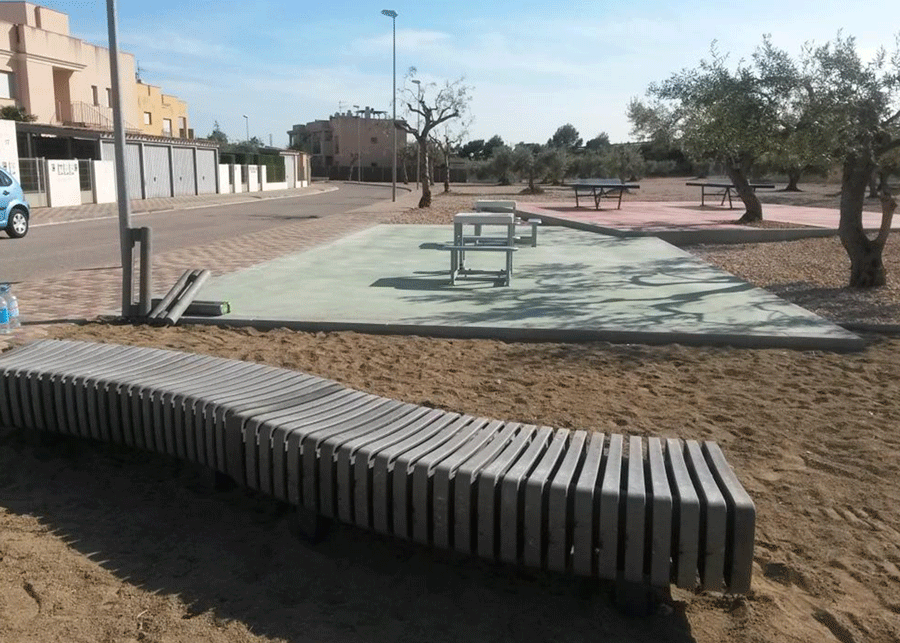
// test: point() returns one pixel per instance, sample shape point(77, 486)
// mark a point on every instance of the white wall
point(63, 183)
point(253, 176)
point(9, 150)
point(226, 172)
point(103, 178)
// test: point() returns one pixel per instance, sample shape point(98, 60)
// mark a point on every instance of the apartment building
point(161, 114)
point(362, 138)
point(66, 81)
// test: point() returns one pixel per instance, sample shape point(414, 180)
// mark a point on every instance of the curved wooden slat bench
point(651, 512)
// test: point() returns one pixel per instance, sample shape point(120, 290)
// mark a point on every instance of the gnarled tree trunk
point(737, 171)
point(866, 264)
point(425, 201)
point(794, 175)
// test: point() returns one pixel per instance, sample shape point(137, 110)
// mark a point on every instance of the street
point(51, 249)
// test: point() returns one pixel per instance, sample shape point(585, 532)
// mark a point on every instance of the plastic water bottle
point(4, 316)
point(12, 303)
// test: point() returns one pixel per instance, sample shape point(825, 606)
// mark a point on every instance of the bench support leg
point(310, 526)
point(637, 599)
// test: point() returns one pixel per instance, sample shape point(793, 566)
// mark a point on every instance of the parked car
point(14, 209)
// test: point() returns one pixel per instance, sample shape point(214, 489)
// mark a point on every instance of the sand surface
point(99, 543)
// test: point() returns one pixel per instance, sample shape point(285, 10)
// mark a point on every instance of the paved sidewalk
point(41, 216)
point(85, 294)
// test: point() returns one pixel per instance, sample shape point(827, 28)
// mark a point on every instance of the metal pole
point(394, 122)
point(358, 148)
point(121, 183)
point(247, 123)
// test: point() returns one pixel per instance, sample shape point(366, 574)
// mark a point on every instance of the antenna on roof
point(138, 71)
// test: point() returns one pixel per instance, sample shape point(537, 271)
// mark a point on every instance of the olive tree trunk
point(793, 175)
point(866, 264)
point(425, 201)
point(737, 171)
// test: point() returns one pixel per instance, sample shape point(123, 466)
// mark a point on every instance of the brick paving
point(85, 294)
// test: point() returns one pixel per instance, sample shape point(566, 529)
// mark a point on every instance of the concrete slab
point(572, 287)
point(685, 223)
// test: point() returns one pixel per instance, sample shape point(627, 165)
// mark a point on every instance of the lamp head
point(390, 13)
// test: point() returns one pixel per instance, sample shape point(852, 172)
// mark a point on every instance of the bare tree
point(450, 101)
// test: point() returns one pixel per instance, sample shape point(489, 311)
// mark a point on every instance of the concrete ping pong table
point(602, 189)
point(726, 186)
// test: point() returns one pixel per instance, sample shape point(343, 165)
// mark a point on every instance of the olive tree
point(528, 161)
point(857, 105)
point(447, 102)
point(717, 114)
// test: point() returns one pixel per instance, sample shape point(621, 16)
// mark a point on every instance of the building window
point(109, 97)
point(374, 140)
point(95, 95)
point(167, 127)
point(7, 84)
point(148, 118)
point(182, 127)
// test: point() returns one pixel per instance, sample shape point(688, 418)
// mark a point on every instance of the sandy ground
point(103, 544)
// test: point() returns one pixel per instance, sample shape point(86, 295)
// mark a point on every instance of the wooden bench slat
point(586, 504)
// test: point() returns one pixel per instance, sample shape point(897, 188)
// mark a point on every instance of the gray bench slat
point(267, 432)
point(512, 496)
point(465, 488)
point(17, 363)
point(489, 524)
point(741, 524)
point(610, 496)
point(402, 478)
point(442, 484)
point(713, 520)
point(635, 513)
point(368, 411)
point(289, 432)
point(302, 434)
point(586, 505)
point(356, 471)
point(661, 516)
point(246, 435)
point(210, 417)
point(687, 517)
point(387, 464)
point(560, 505)
point(534, 510)
point(342, 446)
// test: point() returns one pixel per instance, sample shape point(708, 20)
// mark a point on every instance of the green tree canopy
point(566, 137)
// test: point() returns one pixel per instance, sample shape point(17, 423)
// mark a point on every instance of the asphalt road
point(53, 249)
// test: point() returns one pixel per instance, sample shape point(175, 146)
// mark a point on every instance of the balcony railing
point(82, 114)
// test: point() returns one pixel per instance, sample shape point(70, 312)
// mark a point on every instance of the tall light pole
point(390, 13)
point(247, 123)
point(358, 148)
point(119, 148)
point(418, 116)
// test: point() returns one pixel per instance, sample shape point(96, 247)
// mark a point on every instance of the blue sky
point(532, 66)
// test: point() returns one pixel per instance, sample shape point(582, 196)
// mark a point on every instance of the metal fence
point(85, 176)
point(33, 181)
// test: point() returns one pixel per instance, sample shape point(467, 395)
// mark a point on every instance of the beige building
point(346, 140)
point(161, 114)
point(65, 81)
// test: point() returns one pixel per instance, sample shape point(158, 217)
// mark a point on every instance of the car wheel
point(17, 226)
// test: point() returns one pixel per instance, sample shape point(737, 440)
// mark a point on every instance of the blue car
point(14, 210)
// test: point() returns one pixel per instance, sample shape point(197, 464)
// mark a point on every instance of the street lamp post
point(418, 116)
point(358, 148)
point(247, 123)
point(390, 13)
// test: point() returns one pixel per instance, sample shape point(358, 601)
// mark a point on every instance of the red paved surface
point(658, 216)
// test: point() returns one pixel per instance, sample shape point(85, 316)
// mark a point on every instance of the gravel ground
point(811, 273)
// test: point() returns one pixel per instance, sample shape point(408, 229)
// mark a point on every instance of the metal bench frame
point(642, 512)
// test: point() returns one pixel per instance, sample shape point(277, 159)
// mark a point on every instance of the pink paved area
point(650, 216)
